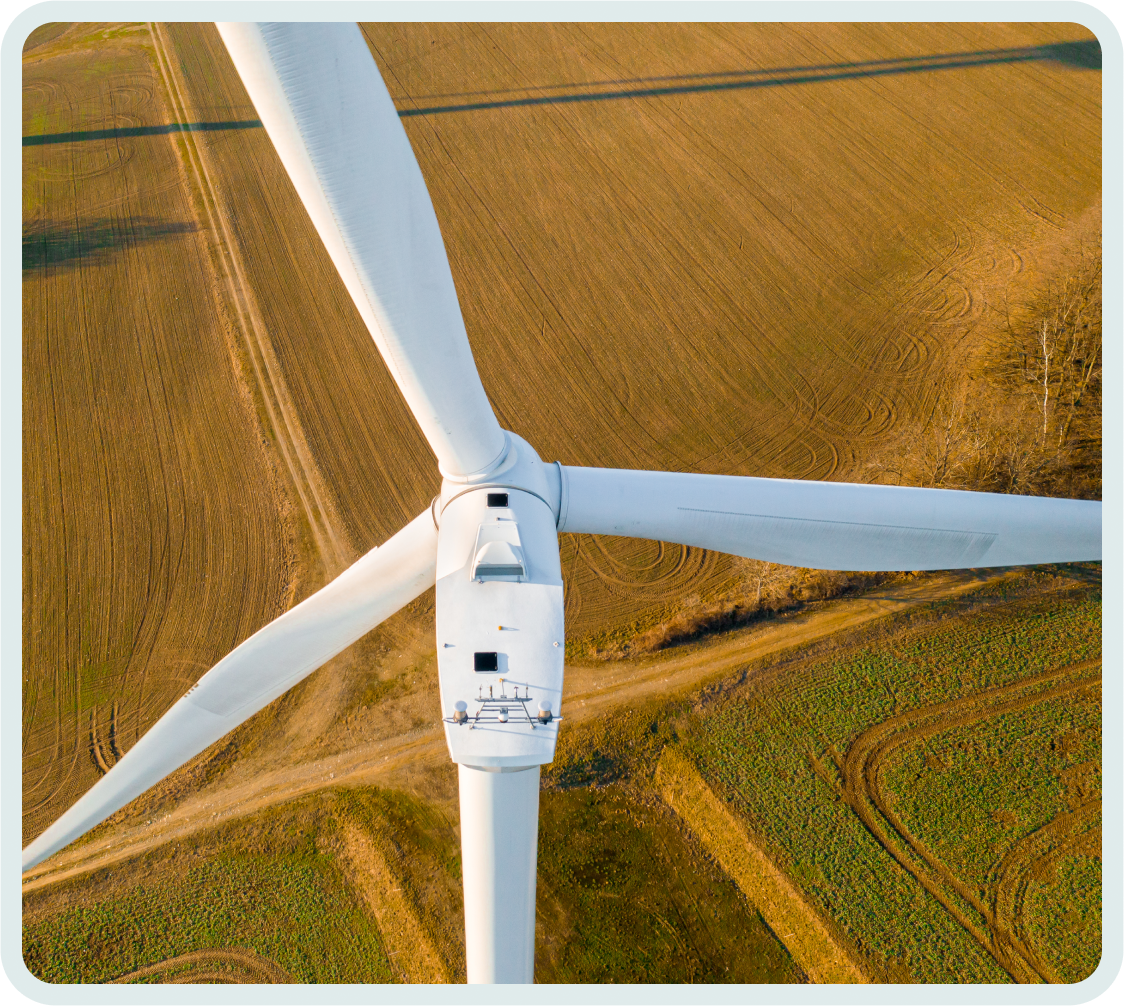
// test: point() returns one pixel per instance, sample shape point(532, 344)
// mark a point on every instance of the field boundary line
point(824, 958)
point(280, 410)
point(409, 948)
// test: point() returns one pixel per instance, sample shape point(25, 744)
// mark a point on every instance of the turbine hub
point(500, 614)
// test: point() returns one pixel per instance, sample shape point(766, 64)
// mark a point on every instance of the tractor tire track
point(225, 966)
point(282, 416)
point(1071, 832)
point(862, 789)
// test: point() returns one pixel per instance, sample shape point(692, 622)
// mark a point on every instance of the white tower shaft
point(499, 854)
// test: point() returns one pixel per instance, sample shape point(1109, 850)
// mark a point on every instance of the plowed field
point(744, 249)
point(737, 249)
point(155, 534)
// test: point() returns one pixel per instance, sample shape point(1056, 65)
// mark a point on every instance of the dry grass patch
point(814, 946)
point(409, 948)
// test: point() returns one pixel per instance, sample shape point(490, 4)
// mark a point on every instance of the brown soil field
point(745, 275)
point(156, 534)
point(745, 249)
point(757, 249)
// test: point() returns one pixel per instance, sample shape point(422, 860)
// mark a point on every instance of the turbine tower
point(490, 540)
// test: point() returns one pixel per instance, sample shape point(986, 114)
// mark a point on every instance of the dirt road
point(234, 288)
point(590, 691)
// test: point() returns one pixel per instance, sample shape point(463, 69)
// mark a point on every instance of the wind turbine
point(490, 540)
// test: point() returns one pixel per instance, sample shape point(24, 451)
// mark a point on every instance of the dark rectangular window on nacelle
point(485, 662)
point(497, 499)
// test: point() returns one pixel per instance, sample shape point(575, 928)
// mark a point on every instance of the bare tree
point(1031, 425)
point(1061, 357)
point(763, 578)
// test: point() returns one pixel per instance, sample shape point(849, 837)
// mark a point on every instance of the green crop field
point(979, 795)
point(931, 780)
point(623, 897)
point(936, 790)
point(280, 896)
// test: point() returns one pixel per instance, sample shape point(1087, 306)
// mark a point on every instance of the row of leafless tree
point(1031, 423)
point(767, 588)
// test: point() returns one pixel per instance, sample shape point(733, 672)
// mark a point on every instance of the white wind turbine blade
point(326, 109)
point(831, 525)
point(253, 674)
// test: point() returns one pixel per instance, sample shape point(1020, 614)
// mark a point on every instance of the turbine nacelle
point(500, 630)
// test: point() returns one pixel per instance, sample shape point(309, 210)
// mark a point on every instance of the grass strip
point(824, 958)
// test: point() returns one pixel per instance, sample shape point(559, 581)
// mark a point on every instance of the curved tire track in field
point(97, 751)
point(862, 788)
point(1071, 832)
point(105, 753)
point(225, 966)
point(624, 567)
point(628, 575)
point(124, 97)
point(282, 415)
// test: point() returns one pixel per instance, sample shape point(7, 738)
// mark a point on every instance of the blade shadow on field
point(1083, 55)
point(48, 245)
